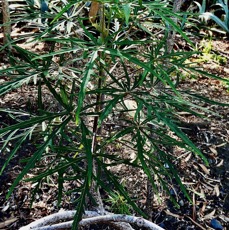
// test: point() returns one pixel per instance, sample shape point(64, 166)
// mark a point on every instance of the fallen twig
point(116, 220)
point(8, 222)
point(60, 216)
point(140, 222)
point(194, 222)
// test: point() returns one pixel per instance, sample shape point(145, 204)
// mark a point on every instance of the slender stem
point(172, 33)
point(99, 106)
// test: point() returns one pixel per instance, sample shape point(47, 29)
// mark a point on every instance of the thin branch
point(118, 221)
point(60, 216)
point(139, 221)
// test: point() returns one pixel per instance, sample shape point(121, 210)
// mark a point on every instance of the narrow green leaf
point(31, 122)
point(60, 186)
point(16, 83)
point(65, 9)
point(54, 92)
point(217, 20)
point(88, 34)
point(175, 26)
point(141, 64)
point(138, 114)
point(27, 56)
point(36, 156)
point(118, 135)
point(87, 145)
point(80, 204)
point(206, 73)
point(88, 72)
point(123, 192)
point(127, 10)
point(141, 158)
point(177, 178)
point(17, 145)
point(108, 109)
point(51, 171)
point(205, 99)
point(180, 134)
point(40, 100)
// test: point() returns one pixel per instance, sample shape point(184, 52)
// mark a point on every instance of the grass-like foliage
point(110, 79)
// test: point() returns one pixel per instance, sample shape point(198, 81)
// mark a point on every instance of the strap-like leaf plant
point(103, 79)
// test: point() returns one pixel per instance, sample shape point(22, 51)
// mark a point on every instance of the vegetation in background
point(208, 55)
point(221, 6)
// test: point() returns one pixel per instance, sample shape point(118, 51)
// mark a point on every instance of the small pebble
point(162, 225)
point(181, 203)
point(172, 192)
point(216, 224)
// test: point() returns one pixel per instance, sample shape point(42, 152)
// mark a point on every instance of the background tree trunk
point(6, 22)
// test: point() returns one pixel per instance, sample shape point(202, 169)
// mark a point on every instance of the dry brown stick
point(8, 222)
point(193, 221)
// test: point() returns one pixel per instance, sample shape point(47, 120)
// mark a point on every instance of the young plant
point(208, 55)
point(118, 203)
point(91, 79)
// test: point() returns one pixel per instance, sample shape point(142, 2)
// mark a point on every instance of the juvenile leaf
point(86, 78)
point(109, 108)
point(176, 27)
point(127, 10)
point(123, 192)
point(31, 122)
point(80, 204)
point(142, 160)
point(65, 9)
point(88, 150)
point(180, 134)
point(17, 145)
point(36, 156)
point(60, 186)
